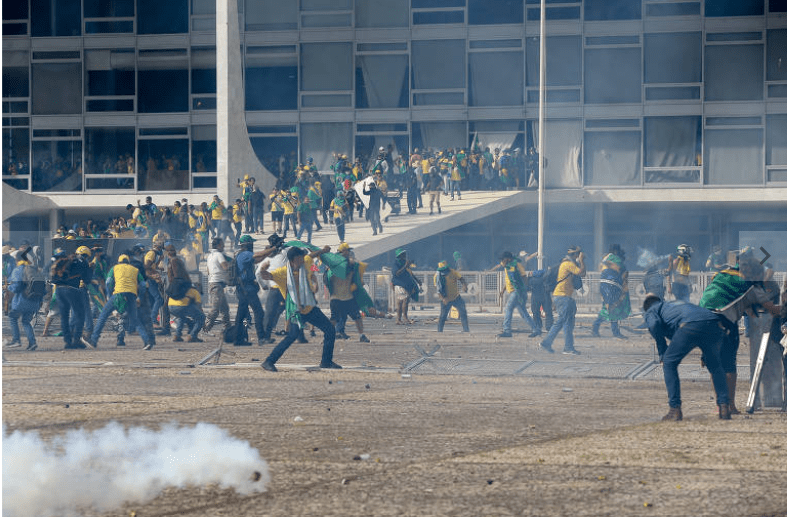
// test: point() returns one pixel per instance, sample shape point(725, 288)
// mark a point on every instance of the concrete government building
point(666, 119)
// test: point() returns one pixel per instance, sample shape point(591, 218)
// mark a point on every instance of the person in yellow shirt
point(297, 284)
point(571, 268)
point(277, 210)
point(217, 211)
point(516, 287)
point(289, 200)
point(188, 310)
point(679, 283)
point(446, 281)
point(238, 216)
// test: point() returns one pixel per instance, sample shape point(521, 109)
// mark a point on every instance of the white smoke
point(104, 468)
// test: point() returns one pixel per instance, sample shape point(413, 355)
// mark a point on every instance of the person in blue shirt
point(22, 306)
point(686, 326)
point(247, 290)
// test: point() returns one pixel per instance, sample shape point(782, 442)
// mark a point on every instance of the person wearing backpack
point(26, 283)
point(67, 273)
point(516, 286)
point(246, 289)
point(569, 278)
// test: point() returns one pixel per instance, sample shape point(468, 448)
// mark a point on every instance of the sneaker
point(330, 366)
point(269, 366)
point(674, 415)
point(505, 334)
point(74, 346)
point(164, 332)
point(148, 346)
point(595, 334)
point(535, 333)
point(193, 339)
point(342, 335)
point(570, 351)
point(120, 343)
point(302, 339)
point(88, 342)
point(546, 348)
point(619, 336)
point(242, 343)
point(177, 339)
point(364, 339)
point(14, 344)
point(31, 347)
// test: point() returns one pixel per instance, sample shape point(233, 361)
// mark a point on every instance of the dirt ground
point(436, 444)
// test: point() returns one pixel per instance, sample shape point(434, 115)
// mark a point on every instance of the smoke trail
point(104, 468)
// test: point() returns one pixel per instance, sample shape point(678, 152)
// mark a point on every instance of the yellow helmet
point(84, 250)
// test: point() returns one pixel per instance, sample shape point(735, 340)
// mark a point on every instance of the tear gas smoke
point(647, 259)
point(104, 468)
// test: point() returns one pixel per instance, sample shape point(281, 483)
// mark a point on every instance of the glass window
point(777, 55)
point(279, 154)
point(382, 13)
point(163, 164)
point(366, 146)
point(673, 141)
point(203, 70)
point(110, 150)
point(437, 17)
point(109, 72)
point(487, 12)
point(207, 7)
point(57, 166)
point(613, 75)
point(776, 142)
point(382, 81)
point(674, 57)
point(16, 81)
point(733, 72)
point(326, 5)
point(157, 17)
point(438, 64)
point(16, 151)
point(55, 18)
point(678, 9)
point(734, 8)
point(320, 141)
point(326, 66)
point(599, 10)
point(777, 6)
point(66, 79)
point(163, 82)
point(15, 10)
point(496, 78)
point(564, 61)
point(271, 15)
point(733, 157)
point(108, 9)
point(203, 149)
point(271, 80)
point(439, 135)
point(612, 158)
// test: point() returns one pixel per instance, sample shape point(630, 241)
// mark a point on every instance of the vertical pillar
point(599, 232)
point(235, 156)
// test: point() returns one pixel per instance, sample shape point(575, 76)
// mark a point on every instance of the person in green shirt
point(446, 280)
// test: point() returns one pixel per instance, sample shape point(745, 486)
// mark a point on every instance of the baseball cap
point(246, 238)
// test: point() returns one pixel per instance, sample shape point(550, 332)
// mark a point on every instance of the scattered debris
point(368, 387)
point(298, 419)
point(365, 456)
point(256, 476)
point(67, 406)
point(490, 481)
point(567, 390)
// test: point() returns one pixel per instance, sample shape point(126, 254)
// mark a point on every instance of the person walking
point(344, 280)
point(614, 291)
point(26, 301)
point(274, 302)
point(569, 274)
point(67, 273)
point(375, 203)
point(406, 286)
point(446, 281)
point(218, 280)
point(434, 185)
point(687, 326)
point(257, 208)
point(516, 287)
point(247, 289)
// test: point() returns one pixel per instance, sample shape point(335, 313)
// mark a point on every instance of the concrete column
point(599, 232)
point(235, 155)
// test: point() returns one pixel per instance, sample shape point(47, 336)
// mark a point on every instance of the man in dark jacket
point(375, 203)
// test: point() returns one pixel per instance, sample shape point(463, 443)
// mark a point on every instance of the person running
point(218, 280)
point(516, 287)
point(446, 281)
point(344, 280)
point(25, 303)
point(569, 274)
point(406, 286)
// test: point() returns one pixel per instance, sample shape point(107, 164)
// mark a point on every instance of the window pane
point(382, 81)
point(163, 164)
point(439, 135)
point(496, 78)
point(777, 55)
point(110, 72)
point(612, 158)
point(733, 157)
point(271, 15)
point(613, 75)
point(326, 5)
point(63, 78)
point(203, 70)
point(438, 64)
point(366, 146)
point(326, 20)
point(203, 7)
point(15, 10)
point(163, 91)
point(673, 57)
point(734, 7)
point(776, 143)
point(486, 12)
point(438, 17)
point(326, 66)
point(733, 72)
point(320, 141)
point(57, 166)
point(16, 151)
point(672, 141)
point(612, 10)
point(157, 17)
point(564, 60)
point(110, 150)
point(203, 149)
point(278, 154)
point(678, 9)
point(16, 81)
point(55, 18)
point(382, 13)
point(271, 82)
point(108, 9)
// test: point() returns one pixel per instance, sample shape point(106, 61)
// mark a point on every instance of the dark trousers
point(538, 300)
point(445, 308)
point(274, 306)
point(68, 299)
point(319, 320)
point(708, 336)
point(88, 311)
point(246, 300)
point(339, 228)
point(374, 218)
point(729, 348)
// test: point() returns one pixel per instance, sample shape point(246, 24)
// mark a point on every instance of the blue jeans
point(88, 311)
point(319, 320)
point(257, 219)
point(131, 313)
point(708, 336)
point(306, 224)
point(26, 318)
point(156, 302)
point(681, 292)
point(246, 300)
point(68, 299)
point(566, 312)
point(289, 218)
point(445, 308)
point(455, 188)
point(190, 314)
point(508, 314)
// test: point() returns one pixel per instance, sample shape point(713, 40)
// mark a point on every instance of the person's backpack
point(233, 273)
point(34, 283)
point(178, 288)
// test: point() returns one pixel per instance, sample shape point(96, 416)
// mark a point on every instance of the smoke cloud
point(104, 468)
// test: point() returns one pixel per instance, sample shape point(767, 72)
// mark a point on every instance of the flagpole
point(542, 75)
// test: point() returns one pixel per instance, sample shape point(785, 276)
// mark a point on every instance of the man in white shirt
point(218, 279)
point(274, 302)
